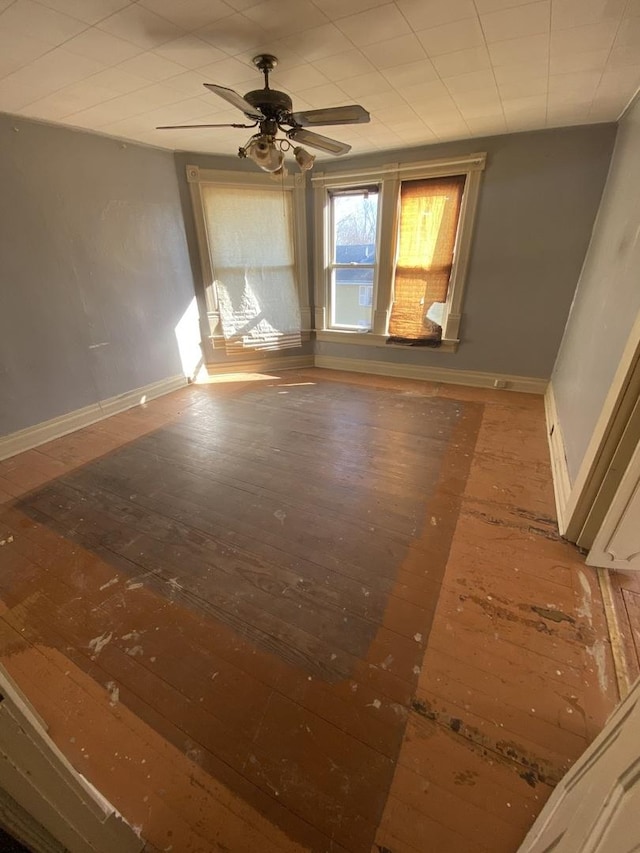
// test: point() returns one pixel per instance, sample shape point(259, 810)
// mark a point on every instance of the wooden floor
point(318, 611)
point(625, 589)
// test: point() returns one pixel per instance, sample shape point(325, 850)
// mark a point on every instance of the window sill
point(368, 339)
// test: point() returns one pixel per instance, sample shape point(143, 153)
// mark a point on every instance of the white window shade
point(250, 233)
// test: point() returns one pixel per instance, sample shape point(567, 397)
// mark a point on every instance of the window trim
point(389, 178)
point(197, 178)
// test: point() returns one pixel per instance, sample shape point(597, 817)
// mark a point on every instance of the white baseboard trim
point(259, 365)
point(473, 378)
point(27, 439)
point(559, 469)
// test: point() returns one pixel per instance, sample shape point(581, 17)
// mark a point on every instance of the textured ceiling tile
point(523, 87)
point(189, 14)
point(44, 76)
point(422, 15)
point(413, 73)
point(89, 11)
point(462, 62)
point(579, 39)
point(527, 49)
point(280, 18)
point(520, 71)
point(498, 5)
point(449, 38)
point(395, 51)
point(190, 52)
point(151, 67)
point(573, 13)
point(343, 65)
point(140, 26)
point(528, 20)
point(591, 60)
point(374, 25)
point(17, 51)
point(623, 57)
point(231, 72)
point(299, 77)
point(324, 96)
point(364, 84)
point(96, 44)
point(469, 82)
point(234, 34)
point(336, 9)
point(319, 42)
point(27, 18)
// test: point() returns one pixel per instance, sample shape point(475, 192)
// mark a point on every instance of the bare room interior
point(319, 426)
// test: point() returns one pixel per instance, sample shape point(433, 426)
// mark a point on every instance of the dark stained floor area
point(314, 611)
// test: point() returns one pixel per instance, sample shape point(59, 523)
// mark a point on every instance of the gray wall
point(538, 201)
point(94, 270)
point(607, 300)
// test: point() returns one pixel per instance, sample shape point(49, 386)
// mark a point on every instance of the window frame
point(389, 178)
point(206, 295)
point(332, 266)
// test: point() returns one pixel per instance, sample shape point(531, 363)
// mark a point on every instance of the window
point(254, 273)
point(406, 239)
point(354, 228)
point(429, 218)
point(252, 242)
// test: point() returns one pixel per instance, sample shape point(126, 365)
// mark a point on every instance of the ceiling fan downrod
point(265, 62)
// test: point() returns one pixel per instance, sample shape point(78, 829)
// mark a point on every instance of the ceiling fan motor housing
point(272, 103)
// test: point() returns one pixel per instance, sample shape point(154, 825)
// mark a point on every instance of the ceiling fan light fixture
point(264, 153)
point(304, 159)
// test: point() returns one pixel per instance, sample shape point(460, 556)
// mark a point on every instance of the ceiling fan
point(271, 111)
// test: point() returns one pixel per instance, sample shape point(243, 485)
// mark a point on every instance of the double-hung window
point(252, 237)
point(353, 263)
point(391, 256)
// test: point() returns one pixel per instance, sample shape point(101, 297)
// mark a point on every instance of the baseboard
point(27, 439)
point(559, 469)
point(474, 378)
point(260, 365)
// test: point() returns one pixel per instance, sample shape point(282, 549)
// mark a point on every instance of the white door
point(50, 806)
point(617, 542)
point(596, 807)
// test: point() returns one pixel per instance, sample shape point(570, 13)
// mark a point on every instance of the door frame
point(49, 805)
point(582, 505)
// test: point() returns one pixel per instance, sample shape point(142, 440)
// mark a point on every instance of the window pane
point(429, 214)
point(352, 297)
point(355, 222)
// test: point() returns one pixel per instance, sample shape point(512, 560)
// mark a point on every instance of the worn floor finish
point(317, 612)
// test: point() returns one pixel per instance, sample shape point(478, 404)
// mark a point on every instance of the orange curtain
point(429, 213)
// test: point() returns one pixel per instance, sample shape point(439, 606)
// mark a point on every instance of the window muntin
point(353, 256)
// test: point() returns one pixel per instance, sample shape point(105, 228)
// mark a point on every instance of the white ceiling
point(427, 70)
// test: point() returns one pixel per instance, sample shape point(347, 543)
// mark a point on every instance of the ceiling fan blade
point(352, 114)
point(188, 126)
point(314, 140)
point(236, 99)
